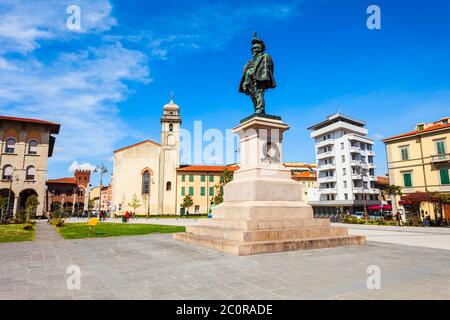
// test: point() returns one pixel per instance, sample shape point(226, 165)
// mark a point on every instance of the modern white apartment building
point(345, 166)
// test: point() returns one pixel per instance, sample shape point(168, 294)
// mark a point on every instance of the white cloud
point(23, 24)
point(83, 166)
point(208, 26)
point(75, 85)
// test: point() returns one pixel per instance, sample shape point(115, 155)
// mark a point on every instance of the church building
point(145, 173)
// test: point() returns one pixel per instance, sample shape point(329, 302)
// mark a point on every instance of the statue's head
point(256, 49)
point(258, 45)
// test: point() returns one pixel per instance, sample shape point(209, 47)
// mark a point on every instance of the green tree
point(3, 205)
point(134, 203)
point(225, 177)
point(187, 203)
point(31, 204)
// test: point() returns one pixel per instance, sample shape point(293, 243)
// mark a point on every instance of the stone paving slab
point(436, 238)
point(157, 267)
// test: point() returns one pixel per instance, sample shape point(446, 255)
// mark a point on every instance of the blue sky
point(106, 84)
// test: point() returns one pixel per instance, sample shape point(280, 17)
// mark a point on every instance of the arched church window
point(146, 182)
point(170, 126)
point(168, 186)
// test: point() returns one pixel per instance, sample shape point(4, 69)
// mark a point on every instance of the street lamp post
point(11, 179)
point(102, 169)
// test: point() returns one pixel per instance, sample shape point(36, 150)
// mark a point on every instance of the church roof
point(136, 145)
point(206, 168)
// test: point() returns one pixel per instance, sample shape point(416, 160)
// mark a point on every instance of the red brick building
point(70, 193)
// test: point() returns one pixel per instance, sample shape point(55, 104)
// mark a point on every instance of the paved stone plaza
point(157, 267)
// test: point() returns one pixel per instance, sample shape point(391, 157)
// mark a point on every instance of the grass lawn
point(81, 230)
point(15, 232)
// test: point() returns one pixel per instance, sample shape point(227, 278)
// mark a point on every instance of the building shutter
point(445, 179)
point(407, 179)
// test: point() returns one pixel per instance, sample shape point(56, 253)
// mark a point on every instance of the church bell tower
point(169, 158)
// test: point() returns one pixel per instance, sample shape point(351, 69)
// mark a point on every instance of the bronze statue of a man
point(258, 75)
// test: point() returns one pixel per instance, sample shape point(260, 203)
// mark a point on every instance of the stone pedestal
point(261, 211)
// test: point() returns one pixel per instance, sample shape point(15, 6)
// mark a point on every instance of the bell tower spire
point(169, 157)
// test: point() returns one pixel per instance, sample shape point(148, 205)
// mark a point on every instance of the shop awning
point(385, 207)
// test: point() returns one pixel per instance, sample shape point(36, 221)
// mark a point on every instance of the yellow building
point(307, 180)
point(305, 174)
point(420, 161)
point(199, 181)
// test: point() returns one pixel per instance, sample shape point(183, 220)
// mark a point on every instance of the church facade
point(145, 173)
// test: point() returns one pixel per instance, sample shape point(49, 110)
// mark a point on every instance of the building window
point(69, 193)
point(146, 182)
point(211, 191)
point(407, 179)
point(202, 191)
point(7, 172)
point(444, 176)
point(57, 193)
point(183, 191)
point(440, 147)
point(196, 209)
point(32, 147)
point(345, 184)
point(168, 186)
point(191, 191)
point(191, 178)
point(342, 146)
point(405, 153)
point(346, 196)
point(202, 178)
point(343, 158)
point(80, 193)
point(183, 178)
point(10, 145)
point(211, 178)
point(170, 127)
point(30, 173)
point(344, 171)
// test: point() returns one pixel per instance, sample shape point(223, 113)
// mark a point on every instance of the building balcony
point(326, 179)
point(329, 166)
point(371, 165)
point(366, 190)
point(325, 155)
point(356, 176)
point(355, 150)
point(371, 153)
point(440, 158)
point(355, 163)
point(327, 191)
point(324, 143)
point(354, 137)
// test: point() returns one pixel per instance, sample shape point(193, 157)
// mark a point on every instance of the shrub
point(21, 216)
point(57, 222)
point(28, 227)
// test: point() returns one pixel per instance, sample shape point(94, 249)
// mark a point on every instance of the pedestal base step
point(260, 247)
